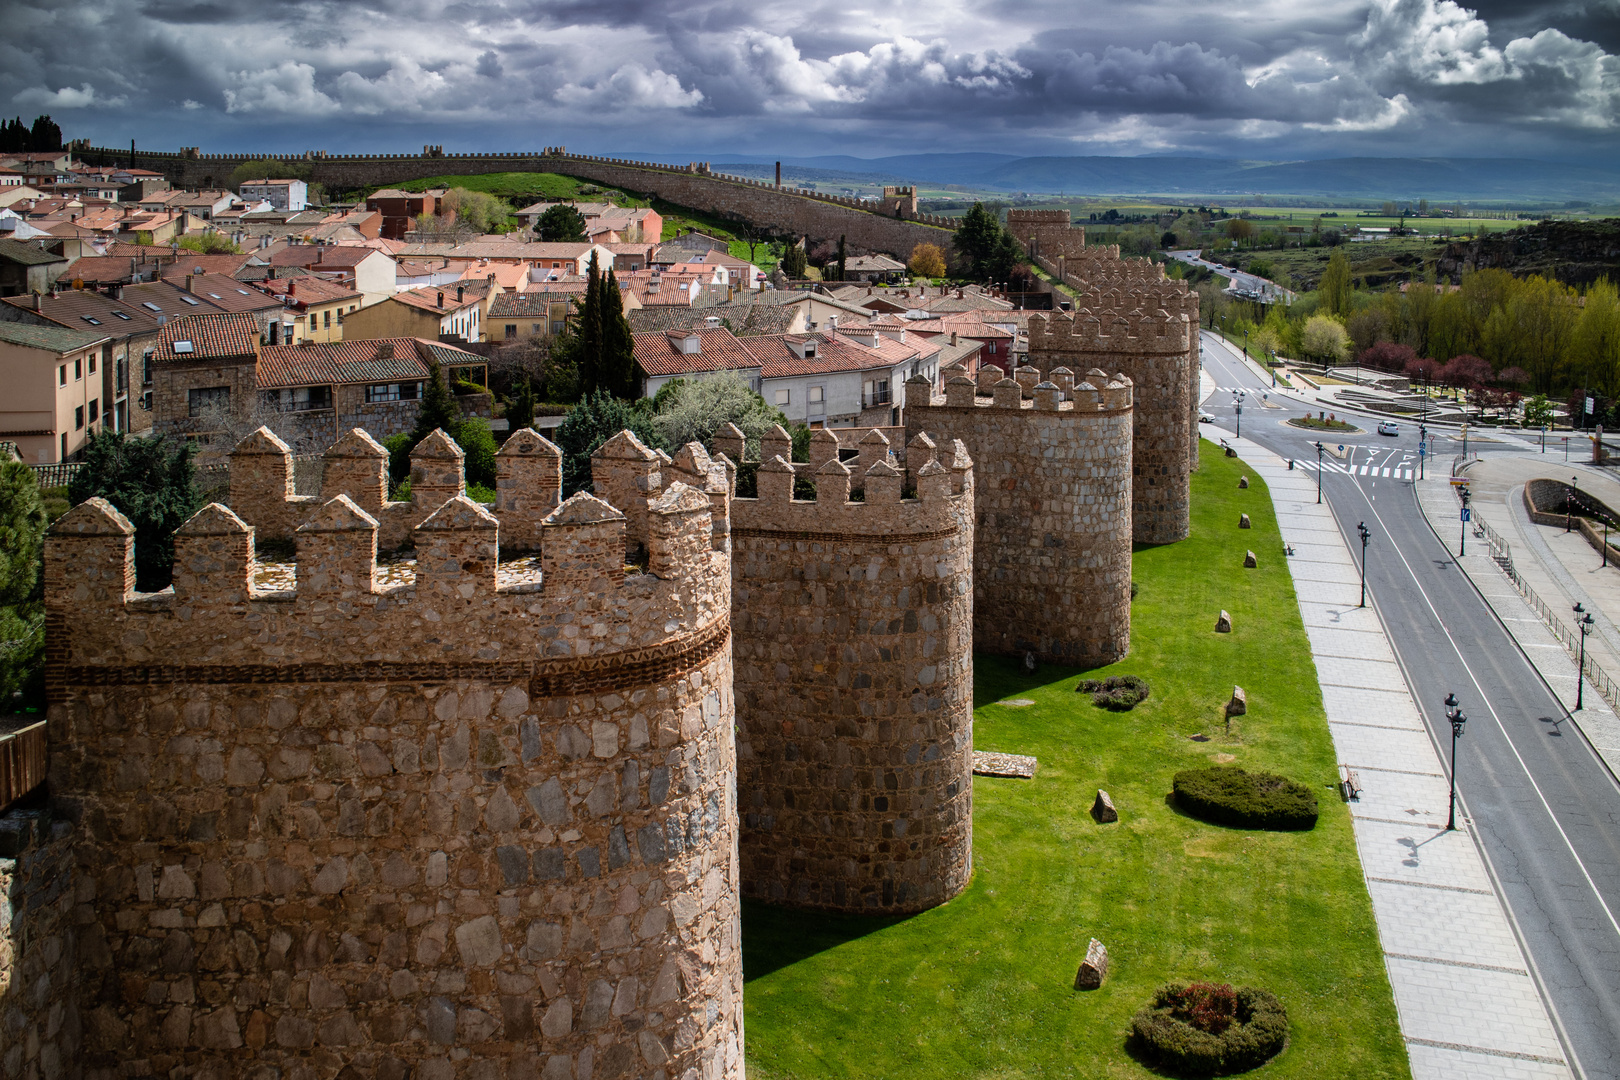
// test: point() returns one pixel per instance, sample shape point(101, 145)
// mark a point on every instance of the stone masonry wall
point(1052, 498)
point(783, 210)
point(460, 827)
point(854, 664)
point(40, 949)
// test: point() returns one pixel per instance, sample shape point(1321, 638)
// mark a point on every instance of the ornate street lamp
point(1319, 449)
point(1458, 719)
point(1583, 622)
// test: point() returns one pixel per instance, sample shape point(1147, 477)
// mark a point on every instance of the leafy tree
point(266, 169)
point(1386, 356)
point(927, 261)
point(597, 418)
point(209, 243)
point(399, 456)
point(794, 261)
point(1325, 339)
point(841, 273)
point(695, 411)
point(1466, 372)
point(1538, 412)
point(1239, 229)
point(604, 349)
point(149, 481)
point(1004, 258)
point(478, 444)
point(520, 405)
point(1423, 369)
point(1169, 240)
point(480, 211)
point(22, 619)
point(1335, 289)
point(562, 224)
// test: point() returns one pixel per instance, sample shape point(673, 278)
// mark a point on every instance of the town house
point(53, 389)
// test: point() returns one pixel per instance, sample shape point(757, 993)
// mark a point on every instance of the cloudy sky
point(1273, 79)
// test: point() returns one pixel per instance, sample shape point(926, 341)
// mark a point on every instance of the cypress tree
point(520, 410)
point(592, 376)
point(439, 408)
point(618, 343)
point(149, 481)
point(842, 260)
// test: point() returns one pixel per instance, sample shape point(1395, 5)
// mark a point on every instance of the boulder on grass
point(1243, 522)
point(1239, 705)
point(1223, 625)
point(1249, 560)
point(1103, 808)
point(1094, 968)
point(1243, 481)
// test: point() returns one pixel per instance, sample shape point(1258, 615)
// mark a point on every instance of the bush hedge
point(1209, 1029)
point(1228, 795)
point(1121, 693)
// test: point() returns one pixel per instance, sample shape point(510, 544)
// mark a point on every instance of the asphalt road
point(1544, 807)
point(1241, 282)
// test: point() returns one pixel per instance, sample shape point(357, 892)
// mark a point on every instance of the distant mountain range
point(1516, 180)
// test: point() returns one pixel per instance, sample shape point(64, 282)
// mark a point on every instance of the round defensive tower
point(1053, 506)
point(854, 668)
point(472, 825)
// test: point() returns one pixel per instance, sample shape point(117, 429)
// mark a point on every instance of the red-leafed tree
point(1387, 356)
point(1466, 372)
point(1423, 367)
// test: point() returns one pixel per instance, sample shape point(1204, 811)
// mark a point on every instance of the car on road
point(1206, 418)
point(1389, 427)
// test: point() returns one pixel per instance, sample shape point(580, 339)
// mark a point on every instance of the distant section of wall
point(889, 225)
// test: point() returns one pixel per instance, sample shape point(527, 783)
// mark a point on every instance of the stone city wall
point(466, 826)
point(40, 947)
point(1154, 350)
point(870, 225)
point(1052, 498)
point(853, 625)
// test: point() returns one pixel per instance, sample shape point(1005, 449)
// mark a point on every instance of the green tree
point(562, 224)
point(520, 404)
point(1335, 289)
point(794, 261)
point(623, 374)
point(1326, 340)
point(597, 418)
point(478, 445)
point(1538, 412)
point(438, 409)
point(843, 260)
point(478, 210)
point(588, 333)
point(699, 407)
point(44, 137)
point(927, 261)
point(976, 238)
point(149, 481)
point(209, 243)
point(22, 617)
point(1595, 345)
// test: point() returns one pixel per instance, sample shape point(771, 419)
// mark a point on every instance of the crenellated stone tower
point(853, 613)
point(472, 824)
point(1052, 499)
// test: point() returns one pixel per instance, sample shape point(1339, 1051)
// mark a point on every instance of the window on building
point(146, 401)
point(94, 410)
point(815, 395)
point(78, 370)
point(201, 398)
point(299, 398)
point(326, 320)
point(405, 391)
point(92, 363)
point(146, 368)
point(61, 375)
point(535, 329)
point(782, 397)
point(511, 331)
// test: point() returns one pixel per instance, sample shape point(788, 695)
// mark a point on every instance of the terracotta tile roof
point(225, 293)
point(718, 349)
point(427, 297)
point(137, 309)
point(834, 352)
point(16, 251)
point(58, 339)
point(188, 263)
point(348, 362)
point(533, 304)
point(874, 263)
point(224, 336)
point(322, 256)
point(308, 290)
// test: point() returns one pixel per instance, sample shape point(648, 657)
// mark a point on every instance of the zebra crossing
point(1372, 472)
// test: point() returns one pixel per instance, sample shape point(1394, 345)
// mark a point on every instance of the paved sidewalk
point(1467, 1004)
point(1543, 571)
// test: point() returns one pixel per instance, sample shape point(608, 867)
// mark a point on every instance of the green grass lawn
point(982, 986)
point(520, 187)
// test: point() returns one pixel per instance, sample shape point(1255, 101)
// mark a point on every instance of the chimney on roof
point(385, 350)
point(441, 299)
point(461, 293)
point(953, 338)
point(190, 281)
point(35, 297)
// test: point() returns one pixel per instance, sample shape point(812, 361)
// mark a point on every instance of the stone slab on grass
point(1017, 766)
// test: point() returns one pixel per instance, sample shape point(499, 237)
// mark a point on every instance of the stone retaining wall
point(443, 829)
point(854, 668)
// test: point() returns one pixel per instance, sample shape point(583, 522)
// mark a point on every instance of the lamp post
point(1462, 543)
point(1458, 719)
point(1319, 449)
point(1543, 438)
point(1365, 536)
point(1237, 403)
point(1584, 623)
point(1569, 502)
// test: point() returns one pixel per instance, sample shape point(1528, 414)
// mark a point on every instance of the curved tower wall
point(854, 668)
point(466, 826)
point(1052, 503)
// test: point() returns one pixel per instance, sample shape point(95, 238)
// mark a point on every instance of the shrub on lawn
point(1228, 795)
point(1120, 693)
point(1209, 1029)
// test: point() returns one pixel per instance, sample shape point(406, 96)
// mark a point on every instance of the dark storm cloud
point(808, 76)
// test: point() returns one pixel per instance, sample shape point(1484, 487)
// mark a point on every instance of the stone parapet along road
point(1469, 1005)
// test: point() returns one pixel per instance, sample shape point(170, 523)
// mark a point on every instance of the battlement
point(1107, 332)
point(1038, 217)
point(1095, 394)
point(462, 597)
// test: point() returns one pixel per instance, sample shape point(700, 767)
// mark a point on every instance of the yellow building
point(54, 393)
point(318, 305)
